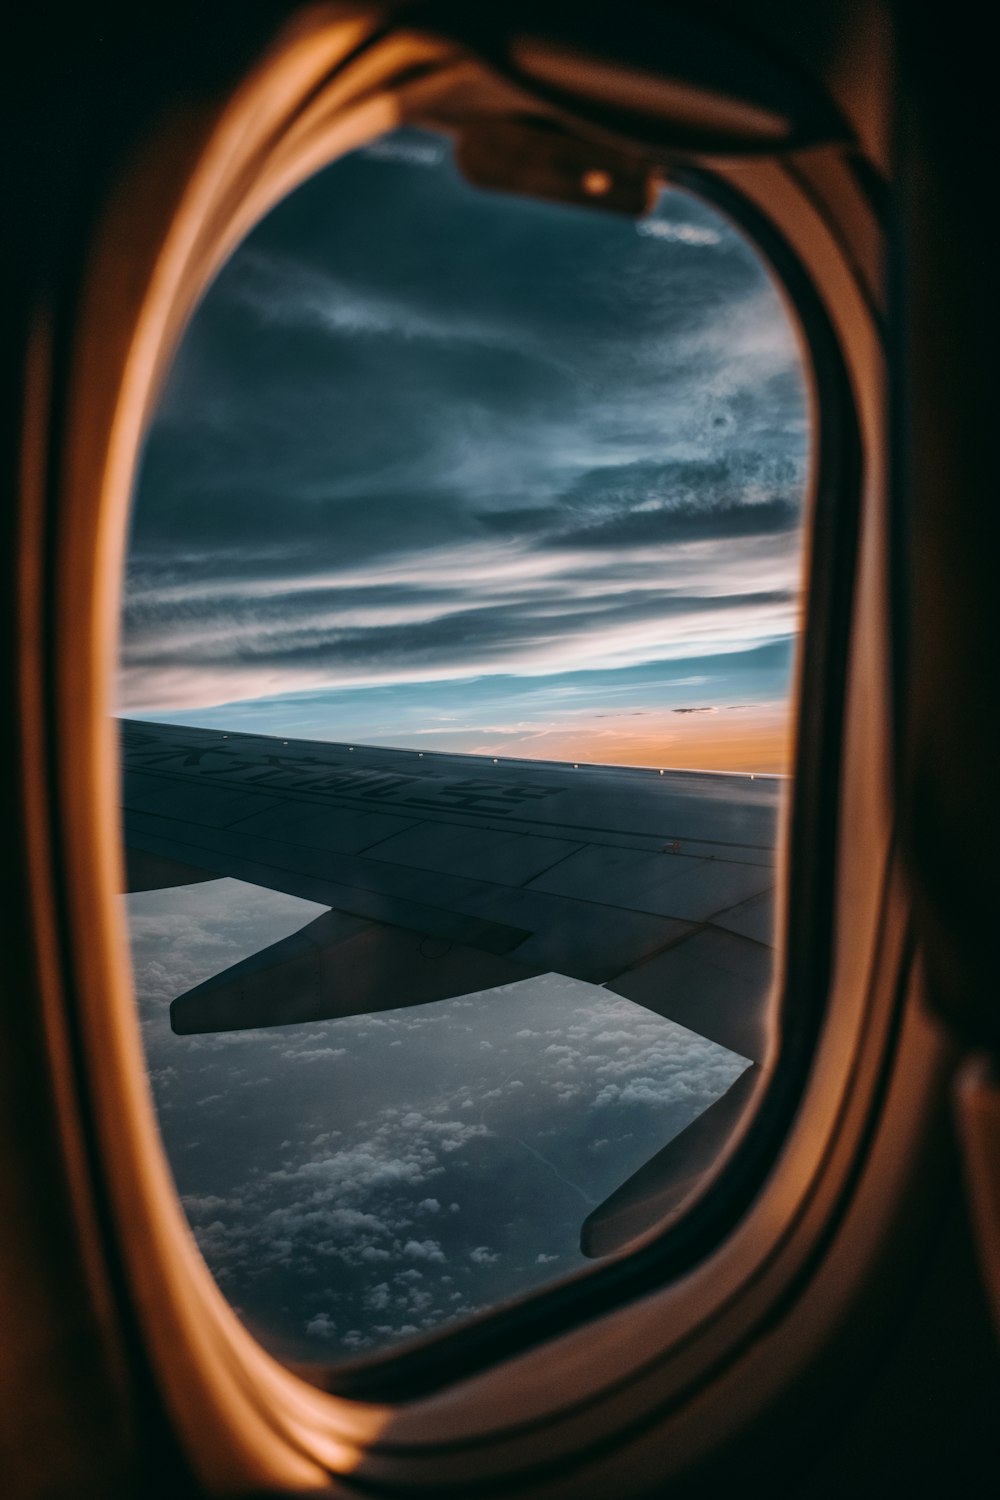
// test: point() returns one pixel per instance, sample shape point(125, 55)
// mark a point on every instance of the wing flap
point(660, 1188)
point(714, 982)
point(339, 965)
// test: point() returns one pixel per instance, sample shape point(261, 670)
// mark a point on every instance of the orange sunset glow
point(752, 737)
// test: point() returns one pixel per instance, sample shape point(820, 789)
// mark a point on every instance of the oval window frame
point(326, 86)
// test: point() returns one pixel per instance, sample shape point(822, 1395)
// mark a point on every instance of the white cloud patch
point(423, 1250)
point(678, 233)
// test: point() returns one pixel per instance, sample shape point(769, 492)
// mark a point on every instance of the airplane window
point(462, 597)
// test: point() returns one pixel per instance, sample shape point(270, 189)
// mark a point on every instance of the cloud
point(314, 1055)
point(678, 234)
point(423, 1250)
point(321, 1326)
point(197, 1205)
point(517, 624)
point(413, 153)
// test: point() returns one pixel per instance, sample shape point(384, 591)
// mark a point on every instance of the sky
point(445, 469)
point(440, 466)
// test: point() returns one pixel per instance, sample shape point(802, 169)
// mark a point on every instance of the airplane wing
point(446, 874)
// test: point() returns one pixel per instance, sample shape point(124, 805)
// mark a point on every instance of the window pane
point(462, 597)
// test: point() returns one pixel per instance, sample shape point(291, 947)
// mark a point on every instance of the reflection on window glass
point(462, 596)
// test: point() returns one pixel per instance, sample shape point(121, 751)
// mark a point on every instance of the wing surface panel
point(629, 806)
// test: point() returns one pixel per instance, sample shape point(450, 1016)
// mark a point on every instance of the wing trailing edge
point(145, 871)
point(339, 965)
